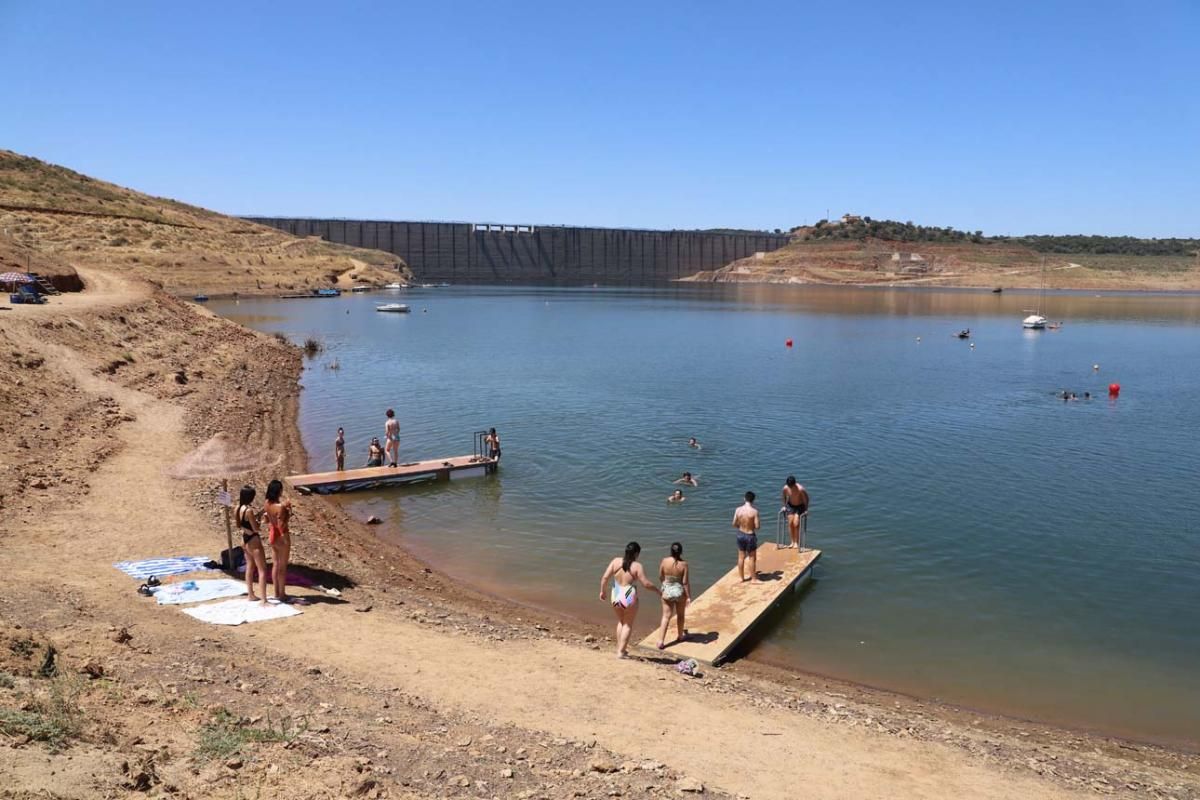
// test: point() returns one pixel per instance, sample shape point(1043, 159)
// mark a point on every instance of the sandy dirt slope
point(59, 215)
point(406, 686)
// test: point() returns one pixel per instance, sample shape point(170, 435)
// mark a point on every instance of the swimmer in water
point(693, 443)
point(676, 496)
point(687, 480)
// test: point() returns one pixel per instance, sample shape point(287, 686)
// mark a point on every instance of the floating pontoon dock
point(438, 469)
point(349, 480)
point(719, 619)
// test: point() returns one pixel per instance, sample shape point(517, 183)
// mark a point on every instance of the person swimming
point(687, 480)
point(693, 443)
point(375, 453)
point(676, 496)
point(623, 573)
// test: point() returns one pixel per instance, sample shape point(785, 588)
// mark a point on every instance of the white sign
point(224, 499)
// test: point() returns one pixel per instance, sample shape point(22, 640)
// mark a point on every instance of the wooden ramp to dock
point(720, 618)
point(349, 480)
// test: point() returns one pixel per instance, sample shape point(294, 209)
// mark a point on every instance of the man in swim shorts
point(339, 450)
point(391, 431)
point(745, 521)
point(795, 501)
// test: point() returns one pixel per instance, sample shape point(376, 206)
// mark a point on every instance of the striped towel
point(141, 570)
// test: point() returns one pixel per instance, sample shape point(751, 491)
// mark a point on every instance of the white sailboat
point(1035, 321)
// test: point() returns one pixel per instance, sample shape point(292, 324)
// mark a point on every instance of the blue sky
point(1038, 117)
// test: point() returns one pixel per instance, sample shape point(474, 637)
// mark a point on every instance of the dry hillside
point(872, 261)
point(56, 216)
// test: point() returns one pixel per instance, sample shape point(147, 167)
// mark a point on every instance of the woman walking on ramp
point(676, 593)
point(622, 593)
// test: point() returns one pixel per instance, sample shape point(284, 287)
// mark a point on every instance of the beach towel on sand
point(235, 612)
point(197, 591)
point(180, 565)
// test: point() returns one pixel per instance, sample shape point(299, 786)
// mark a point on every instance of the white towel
point(176, 593)
point(235, 612)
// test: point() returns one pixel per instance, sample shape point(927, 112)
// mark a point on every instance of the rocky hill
point(969, 261)
point(52, 217)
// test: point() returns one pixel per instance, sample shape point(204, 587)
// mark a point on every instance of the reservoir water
point(985, 543)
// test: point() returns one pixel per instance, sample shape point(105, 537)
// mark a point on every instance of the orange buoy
point(788, 343)
point(1114, 389)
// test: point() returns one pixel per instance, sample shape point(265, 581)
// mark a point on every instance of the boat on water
point(395, 308)
point(396, 286)
point(361, 288)
point(1035, 321)
point(965, 333)
point(201, 298)
point(328, 292)
point(998, 290)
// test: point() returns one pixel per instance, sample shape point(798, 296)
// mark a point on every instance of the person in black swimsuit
point(252, 546)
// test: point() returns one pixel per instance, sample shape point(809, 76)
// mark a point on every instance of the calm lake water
point(984, 542)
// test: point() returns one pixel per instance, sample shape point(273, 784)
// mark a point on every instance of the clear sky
point(1010, 117)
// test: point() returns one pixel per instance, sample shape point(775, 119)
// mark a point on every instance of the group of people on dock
point(276, 516)
point(620, 581)
point(376, 453)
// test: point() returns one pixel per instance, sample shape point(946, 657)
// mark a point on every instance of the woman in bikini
point(252, 546)
point(676, 593)
point(278, 513)
point(617, 587)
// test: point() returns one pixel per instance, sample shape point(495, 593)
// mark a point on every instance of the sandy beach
point(408, 685)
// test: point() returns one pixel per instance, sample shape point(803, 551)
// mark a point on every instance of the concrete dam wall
point(463, 252)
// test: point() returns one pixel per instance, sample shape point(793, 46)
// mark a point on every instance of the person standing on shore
point(278, 514)
point(252, 547)
point(745, 521)
point(339, 450)
point(391, 432)
point(622, 594)
point(795, 502)
point(676, 593)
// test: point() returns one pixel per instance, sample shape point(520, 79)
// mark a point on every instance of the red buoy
point(788, 343)
point(1114, 389)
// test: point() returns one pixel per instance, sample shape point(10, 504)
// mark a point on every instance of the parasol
point(11, 279)
point(220, 457)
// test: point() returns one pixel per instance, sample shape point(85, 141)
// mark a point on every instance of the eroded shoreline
point(407, 664)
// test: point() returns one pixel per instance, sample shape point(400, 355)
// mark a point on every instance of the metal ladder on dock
point(783, 535)
point(482, 451)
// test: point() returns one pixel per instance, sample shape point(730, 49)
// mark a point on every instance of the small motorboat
point(1053, 326)
point(395, 308)
point(201, 298)
point(965, 333)
point(396, 286)
point(328, 292)
point(998, 290)
point(361, 288)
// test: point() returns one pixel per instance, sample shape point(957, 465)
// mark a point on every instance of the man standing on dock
point(745, 521)
point(795, 501)
point(391, 431)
